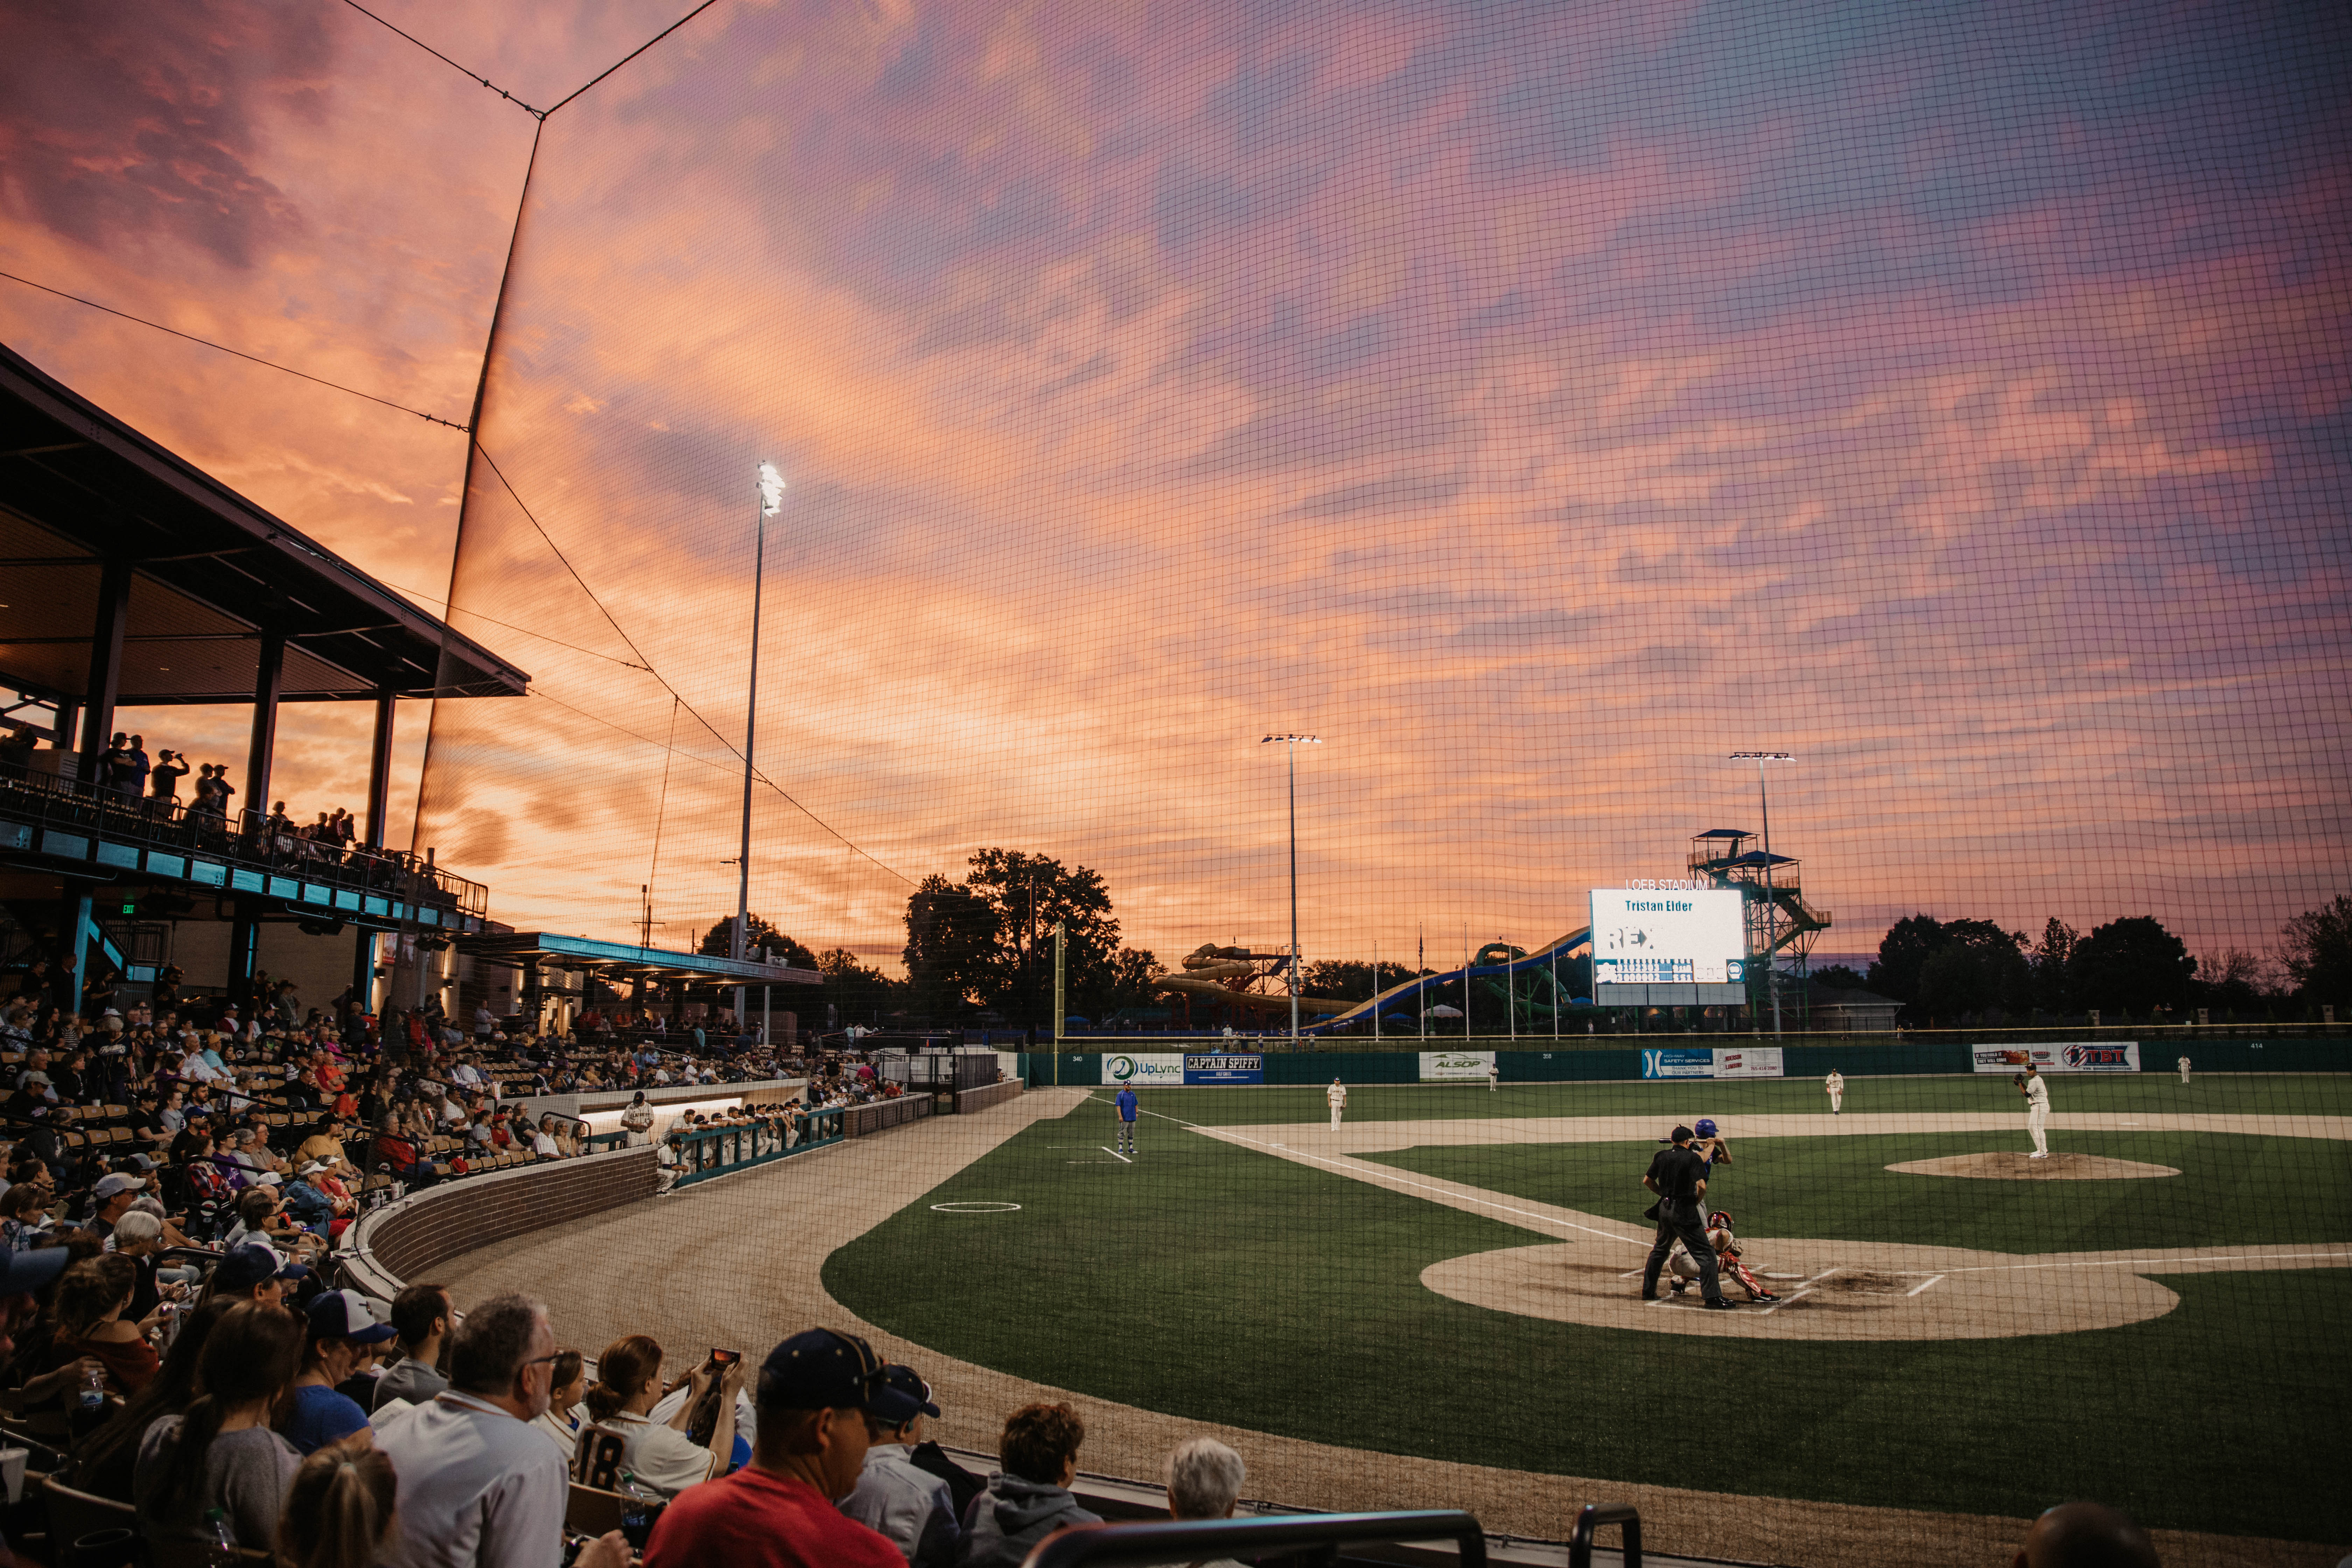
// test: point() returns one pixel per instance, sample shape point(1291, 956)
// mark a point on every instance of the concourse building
point(129, 578)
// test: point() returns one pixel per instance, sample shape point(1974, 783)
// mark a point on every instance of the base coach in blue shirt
point(1678, 1175)
point(1126, 1103)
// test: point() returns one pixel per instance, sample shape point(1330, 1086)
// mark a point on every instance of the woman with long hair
point(102, 1462)
point(666, 1460)
point(220, 1453)
point(338, 1510)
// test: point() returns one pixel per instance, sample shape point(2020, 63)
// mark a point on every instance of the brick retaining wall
point(860, 1119)
point(971, 1100)
point(416, 1235)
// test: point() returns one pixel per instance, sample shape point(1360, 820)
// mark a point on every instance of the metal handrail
point(172, 823)
point(1197, 1538)
point(1591, 1517)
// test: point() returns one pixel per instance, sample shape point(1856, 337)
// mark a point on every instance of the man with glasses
point(781, 1510)
point(478, 1484)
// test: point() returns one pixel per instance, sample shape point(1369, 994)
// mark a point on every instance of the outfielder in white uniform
point(1495, 1077)
point(1337, 1098)
point(2183, 1065)
point(1835, 1084)
point(2036, 1089)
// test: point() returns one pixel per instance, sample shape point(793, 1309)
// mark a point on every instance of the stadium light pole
point(1772, 910)
point(1292, 744)
point(771, 487)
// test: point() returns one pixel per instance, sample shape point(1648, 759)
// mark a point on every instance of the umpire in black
point(1678, 1175)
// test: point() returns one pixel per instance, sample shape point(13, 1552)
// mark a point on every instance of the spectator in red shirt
point(778, 1511)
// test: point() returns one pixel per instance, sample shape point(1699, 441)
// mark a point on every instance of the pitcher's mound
point(2058, 1167)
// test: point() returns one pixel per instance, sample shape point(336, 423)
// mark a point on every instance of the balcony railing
point(70, 819)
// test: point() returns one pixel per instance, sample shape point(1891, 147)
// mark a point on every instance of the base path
point(736, 1263)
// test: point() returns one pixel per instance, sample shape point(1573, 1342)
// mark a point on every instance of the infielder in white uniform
point(2183, 1065)
point(1835, 1084)
point(1337, 1098)
point(2036, 1089)
point(1495, 1077)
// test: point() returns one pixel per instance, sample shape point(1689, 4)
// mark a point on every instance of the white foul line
point(1385, 1180)
point(1923, 1285)
point(1115, 1156)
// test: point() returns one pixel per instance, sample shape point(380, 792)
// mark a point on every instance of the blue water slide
point(1505, 974)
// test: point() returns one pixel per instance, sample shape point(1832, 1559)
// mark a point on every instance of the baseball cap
point(23, 1272)
point(116, 1182)
point(346, 1315)
point(899, 1395)
point(1707, 1126)
point(314, 1167)
point(819, 1369)
point(252, 1263)
point(41, 1078)
point(1679, 1135)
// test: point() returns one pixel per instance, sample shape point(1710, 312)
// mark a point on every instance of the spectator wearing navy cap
point(914, 1508)
point(345, 1336)
point(254, 1272)
point(778, 1510)
point(1030, 1499)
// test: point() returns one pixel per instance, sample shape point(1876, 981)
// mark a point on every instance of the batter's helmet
point(1707, 1126)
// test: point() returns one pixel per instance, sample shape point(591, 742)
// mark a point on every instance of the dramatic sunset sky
point(1538, 402)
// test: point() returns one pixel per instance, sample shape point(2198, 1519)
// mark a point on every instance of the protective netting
point(1537, 403)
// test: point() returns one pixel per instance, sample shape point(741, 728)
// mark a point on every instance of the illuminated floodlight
point(771, 490)
point(1763, 756)
point(1302, 739)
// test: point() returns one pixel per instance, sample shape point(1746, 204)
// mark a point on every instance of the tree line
point(1971, 970)
point(978, 946)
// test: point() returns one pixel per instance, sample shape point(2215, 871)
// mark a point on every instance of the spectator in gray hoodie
point(1029, 1497)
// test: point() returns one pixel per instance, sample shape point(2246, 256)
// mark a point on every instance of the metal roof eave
point(587, 952)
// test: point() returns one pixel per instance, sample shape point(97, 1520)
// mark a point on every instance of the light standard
point(1772, 910)
point(1293, 742)
point(771, 501)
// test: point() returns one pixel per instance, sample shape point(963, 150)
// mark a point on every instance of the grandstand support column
point(269, 678)
point(244, 947)
point(534, 996)
point(74, 923)
point(105, 664)
point(378, 801)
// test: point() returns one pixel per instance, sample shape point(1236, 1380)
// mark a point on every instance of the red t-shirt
point(754, 1519)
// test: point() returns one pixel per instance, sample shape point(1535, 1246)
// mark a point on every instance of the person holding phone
point(665, 1460)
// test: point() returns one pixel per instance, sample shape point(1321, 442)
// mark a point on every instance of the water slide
point(1499, 971)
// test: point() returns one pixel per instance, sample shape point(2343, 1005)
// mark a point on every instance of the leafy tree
point(1029, 893)
point(2232, 979)
point(2052, 961)
point(2318, 956)
point(1902, 953)
point(860, 993)
point(718, 942)
point(1979, 968)
point(2131, 966)
point(953, 936)
point(1840, 977)
point(1124, 982)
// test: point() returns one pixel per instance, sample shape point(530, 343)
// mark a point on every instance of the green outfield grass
point(1838, 1189)
point(1219, 1283)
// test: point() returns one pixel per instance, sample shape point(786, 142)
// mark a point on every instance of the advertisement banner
point(2062, 1055)
point(1748, 1061)
point(1224, 1068)
point(1144, 1068)
point(1675, 1062)
point(1456, 1067)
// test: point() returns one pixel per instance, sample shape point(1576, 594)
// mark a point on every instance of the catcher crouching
point(1685, 1268)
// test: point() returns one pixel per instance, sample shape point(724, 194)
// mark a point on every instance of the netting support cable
point(661, 811)
point(632, 54)
point(469, 75)
point(240, 353)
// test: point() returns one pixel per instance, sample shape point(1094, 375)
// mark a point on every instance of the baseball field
point(2154, 1317)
